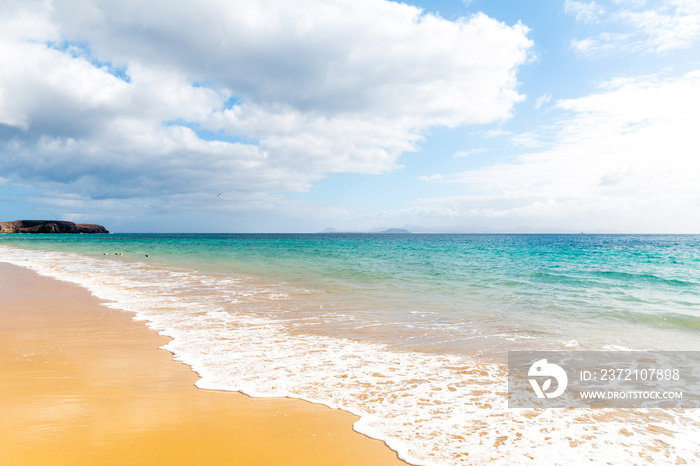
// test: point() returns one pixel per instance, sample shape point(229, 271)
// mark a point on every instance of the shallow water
point(410, 331)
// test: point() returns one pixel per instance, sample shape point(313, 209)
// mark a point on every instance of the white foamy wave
point(430, 408)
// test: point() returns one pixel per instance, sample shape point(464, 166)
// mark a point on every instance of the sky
point(297, 115)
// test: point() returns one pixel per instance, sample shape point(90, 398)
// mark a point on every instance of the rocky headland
point(49, 226)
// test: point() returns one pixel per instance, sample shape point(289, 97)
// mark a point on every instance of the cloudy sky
point(296, 115)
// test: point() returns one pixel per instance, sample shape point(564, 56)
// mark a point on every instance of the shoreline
point(267, 338)
point(84, 383)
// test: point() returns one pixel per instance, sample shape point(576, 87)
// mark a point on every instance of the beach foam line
point(431, 408)
point(83, 384)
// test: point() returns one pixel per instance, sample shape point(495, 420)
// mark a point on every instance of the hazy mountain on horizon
point(471, 229)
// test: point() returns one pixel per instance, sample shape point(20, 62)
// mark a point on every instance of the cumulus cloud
point(144, 99)
point(625, 157)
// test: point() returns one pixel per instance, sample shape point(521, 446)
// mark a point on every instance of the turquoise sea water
point(540, 284)
point(412, 312)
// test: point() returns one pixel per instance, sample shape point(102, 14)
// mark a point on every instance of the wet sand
point(86, 384)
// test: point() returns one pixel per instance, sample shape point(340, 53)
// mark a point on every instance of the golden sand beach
point(85, 384)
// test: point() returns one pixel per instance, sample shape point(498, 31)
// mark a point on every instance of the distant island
point(49, 226)
point(388, 231)
point(393, 231)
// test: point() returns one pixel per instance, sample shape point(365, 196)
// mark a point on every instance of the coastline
point(87, 384)
point(269, 336)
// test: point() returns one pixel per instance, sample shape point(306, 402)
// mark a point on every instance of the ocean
point(409, 332)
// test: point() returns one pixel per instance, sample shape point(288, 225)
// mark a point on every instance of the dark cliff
point(49, 226)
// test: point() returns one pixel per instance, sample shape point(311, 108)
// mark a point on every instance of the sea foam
point(430, 408)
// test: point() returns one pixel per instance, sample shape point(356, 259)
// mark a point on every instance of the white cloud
point(435, 177)
point(626, 158)
point(587, 12)
point(542, 100)
point(121, 99)
point(467, 153)
point(676, 25)
point(636, 26)
point(496, 133)
point(527, 139)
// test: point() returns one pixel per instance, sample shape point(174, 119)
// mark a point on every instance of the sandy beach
point(85, 384)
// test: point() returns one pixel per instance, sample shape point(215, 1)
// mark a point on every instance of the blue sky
point(555, 115)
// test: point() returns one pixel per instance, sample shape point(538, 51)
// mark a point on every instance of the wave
point(430, 408)
point(642, 278)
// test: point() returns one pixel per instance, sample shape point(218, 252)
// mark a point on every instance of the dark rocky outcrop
point(7, 227)
point(90, 228)
point(45, 226)
point(49, 226)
